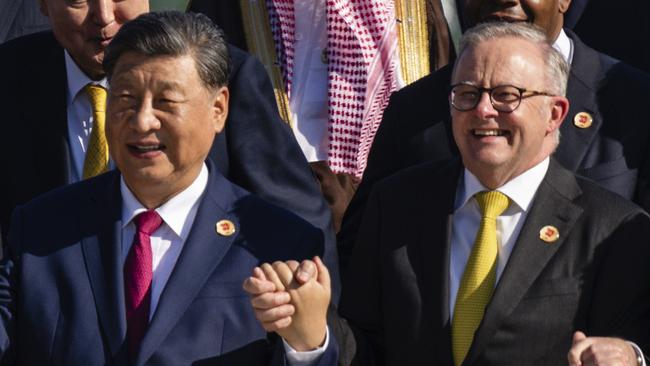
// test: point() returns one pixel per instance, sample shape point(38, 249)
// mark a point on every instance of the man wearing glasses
point(605, 136)
point(503, 257)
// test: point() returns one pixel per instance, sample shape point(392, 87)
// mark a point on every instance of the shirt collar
point(77, 79)
point(518, 189)
point(175, 212)
point(564, 46)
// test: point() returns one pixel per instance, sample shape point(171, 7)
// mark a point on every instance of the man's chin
point(92, 66)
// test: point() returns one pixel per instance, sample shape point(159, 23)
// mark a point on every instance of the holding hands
point(594, 351)
point(291, 299)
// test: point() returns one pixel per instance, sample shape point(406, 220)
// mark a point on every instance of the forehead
point(501, 61)
point(134, 67)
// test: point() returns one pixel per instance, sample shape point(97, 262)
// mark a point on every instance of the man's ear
point(559, 110)
point(564, 6)
point(220, 108)
point(42, 5)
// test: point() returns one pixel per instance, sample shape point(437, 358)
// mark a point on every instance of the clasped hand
point(291, 299)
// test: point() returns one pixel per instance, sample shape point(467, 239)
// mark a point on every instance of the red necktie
point(137, 279)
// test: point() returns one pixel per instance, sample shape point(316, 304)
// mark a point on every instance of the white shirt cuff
point(638, 351)
point(307, 358)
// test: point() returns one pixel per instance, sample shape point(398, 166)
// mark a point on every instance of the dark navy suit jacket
point(618, 28)
point(595, 277)
point(62, 293)
point(256, 150)
point(613, 151)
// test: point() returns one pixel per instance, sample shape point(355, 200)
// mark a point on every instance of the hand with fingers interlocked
point(291, 299)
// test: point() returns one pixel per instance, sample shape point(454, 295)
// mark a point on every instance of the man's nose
point(484, 109)
point(102, 12)
point(145, 120)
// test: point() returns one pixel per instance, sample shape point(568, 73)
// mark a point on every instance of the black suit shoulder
point(33, 121)
point(26, 48)
point(603, 208)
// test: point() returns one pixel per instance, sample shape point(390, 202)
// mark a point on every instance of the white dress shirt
point(80, 116)
point(467, 218)
point(564, 45)
point(167, 242)
point(308, 95)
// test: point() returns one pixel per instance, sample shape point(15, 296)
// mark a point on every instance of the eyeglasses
point(504, 98)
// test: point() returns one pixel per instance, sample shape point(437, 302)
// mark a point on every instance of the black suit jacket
point(618, 28)
point(62, 286)
point(613, 152)
point(595, 277)
point(256, 150)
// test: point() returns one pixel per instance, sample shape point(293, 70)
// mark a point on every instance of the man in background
point(333, 65)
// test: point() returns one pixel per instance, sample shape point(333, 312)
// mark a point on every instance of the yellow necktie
point(96, 161)
point(478, 280)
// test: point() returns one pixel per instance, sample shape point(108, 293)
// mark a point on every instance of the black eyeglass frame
point(481, 90)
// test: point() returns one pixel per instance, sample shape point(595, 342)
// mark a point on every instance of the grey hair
point(557, 69)
point(173, 33)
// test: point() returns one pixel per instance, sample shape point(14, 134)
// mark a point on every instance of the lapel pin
point(583, 120)
point(225, 227)
point(549, 234)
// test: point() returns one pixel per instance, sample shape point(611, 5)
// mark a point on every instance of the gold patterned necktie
point(478, 280)
point(96, 161)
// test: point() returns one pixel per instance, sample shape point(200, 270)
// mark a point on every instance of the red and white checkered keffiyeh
point(362, 71)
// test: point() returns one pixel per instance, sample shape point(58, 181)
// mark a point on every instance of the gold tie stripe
point(96, 161)
point(259, 40)
point(479, 277)
point(413, 39)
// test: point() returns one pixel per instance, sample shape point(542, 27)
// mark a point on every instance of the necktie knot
point(147, 222)
point(97, 96)
point(492, 203)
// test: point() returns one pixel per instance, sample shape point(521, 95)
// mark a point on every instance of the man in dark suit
point(605, 138)
point(502, 257)
point(256, 151)
point(143, 265)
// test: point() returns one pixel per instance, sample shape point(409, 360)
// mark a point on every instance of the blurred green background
point(157, 5)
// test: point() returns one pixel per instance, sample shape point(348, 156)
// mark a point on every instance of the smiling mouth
point(142, 149)
point(484, 133)
point(502, 18)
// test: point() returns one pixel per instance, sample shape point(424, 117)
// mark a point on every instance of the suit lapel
point(435, 241)
point(202, 252)
point(102, 257)
point(552, 206)
point(584, 79)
